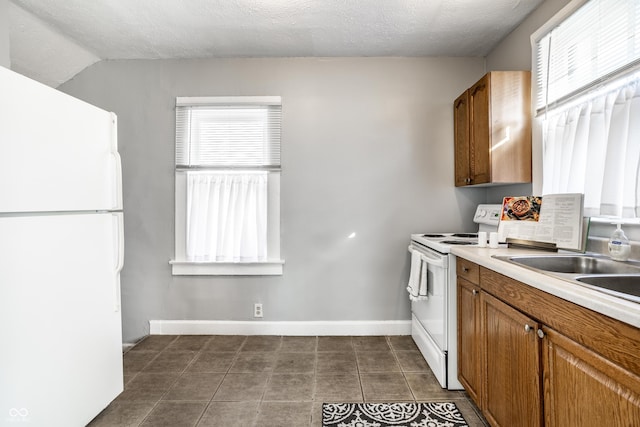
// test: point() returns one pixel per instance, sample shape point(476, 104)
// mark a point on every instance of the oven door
point(432, 312)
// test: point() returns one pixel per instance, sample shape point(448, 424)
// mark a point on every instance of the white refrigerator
point(61, 252)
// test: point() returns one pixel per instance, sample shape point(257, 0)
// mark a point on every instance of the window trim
point(183, 101)
point(186, 268)
point(180, 266)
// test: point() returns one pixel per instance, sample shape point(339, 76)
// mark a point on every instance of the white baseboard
point(127, 346)
point(309, 328)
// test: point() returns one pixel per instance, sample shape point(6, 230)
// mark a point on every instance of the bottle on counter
point(619, 248)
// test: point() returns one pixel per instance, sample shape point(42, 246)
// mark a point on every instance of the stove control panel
point(487, 214)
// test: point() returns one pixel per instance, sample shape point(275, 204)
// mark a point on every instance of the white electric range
point(434, 318)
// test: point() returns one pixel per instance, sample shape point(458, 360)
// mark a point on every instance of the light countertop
point(609, 305)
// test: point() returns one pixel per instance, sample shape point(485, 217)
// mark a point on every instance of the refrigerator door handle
point(118, 181)
point(116, 306)
point(119, 227)
point(119, 255)
point(117, 162)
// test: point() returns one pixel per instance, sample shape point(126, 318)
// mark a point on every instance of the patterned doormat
point(430, 414)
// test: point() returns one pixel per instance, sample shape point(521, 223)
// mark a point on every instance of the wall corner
point(5, 58)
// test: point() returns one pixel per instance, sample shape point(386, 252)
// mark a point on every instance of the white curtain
point(594, 148)
point(227, 216)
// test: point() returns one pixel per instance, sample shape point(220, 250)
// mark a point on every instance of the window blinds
point(599, 41)
point(228, 132)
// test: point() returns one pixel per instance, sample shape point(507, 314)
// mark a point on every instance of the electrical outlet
point(257, 310)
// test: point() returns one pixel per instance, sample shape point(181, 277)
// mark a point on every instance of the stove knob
point(482, 213)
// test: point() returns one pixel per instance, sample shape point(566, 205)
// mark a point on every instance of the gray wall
point(5, 60)
point(366, 148)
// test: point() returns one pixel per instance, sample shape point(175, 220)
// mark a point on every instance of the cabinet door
point(480, 131)
point(583, 389)
point(510, 137)
point(461, 140)
point(469, 339)
point(512, 377)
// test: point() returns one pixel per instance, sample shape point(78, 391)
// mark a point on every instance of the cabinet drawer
point(469, 270)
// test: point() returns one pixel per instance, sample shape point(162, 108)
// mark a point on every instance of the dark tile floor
point(228, 380)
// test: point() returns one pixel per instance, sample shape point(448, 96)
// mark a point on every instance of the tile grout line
point(235, 358)
point(193, 360)
point(315, 379)
point(155, 405)
point(355, 354)
point(269, 377)
point(206, 407)
point(150, 361)
point(196, 356)
point(404, 376)
point(314, 392)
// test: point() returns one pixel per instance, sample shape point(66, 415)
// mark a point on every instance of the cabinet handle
point(468, 180)
point(540, 333)
point(465, 269)
point(474, 292)
point(527, 328)
point(476, 89)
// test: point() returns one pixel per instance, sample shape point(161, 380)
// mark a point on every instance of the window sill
point(615, 220)
point(187, 268)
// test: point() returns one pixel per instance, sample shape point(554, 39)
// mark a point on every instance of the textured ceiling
point(52, 40)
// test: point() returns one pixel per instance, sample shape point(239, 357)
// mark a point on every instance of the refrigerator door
point(58, 153)
point(60, 326)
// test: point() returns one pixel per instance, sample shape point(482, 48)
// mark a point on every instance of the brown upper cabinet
point(492, 130)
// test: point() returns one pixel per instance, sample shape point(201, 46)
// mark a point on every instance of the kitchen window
point(587, 79)
point(227, 181)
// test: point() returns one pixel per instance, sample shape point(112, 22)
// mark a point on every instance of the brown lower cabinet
point(469, 346)
point(582, 388)
point(511, 378)
point(528, 358)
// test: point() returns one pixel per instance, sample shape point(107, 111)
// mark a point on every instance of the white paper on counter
point(560, 222)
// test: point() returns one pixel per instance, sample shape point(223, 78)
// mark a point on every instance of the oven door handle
point(431, 260)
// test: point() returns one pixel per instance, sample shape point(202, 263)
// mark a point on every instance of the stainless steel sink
point(575, 264)
point(624, 286)
point(598, 272)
